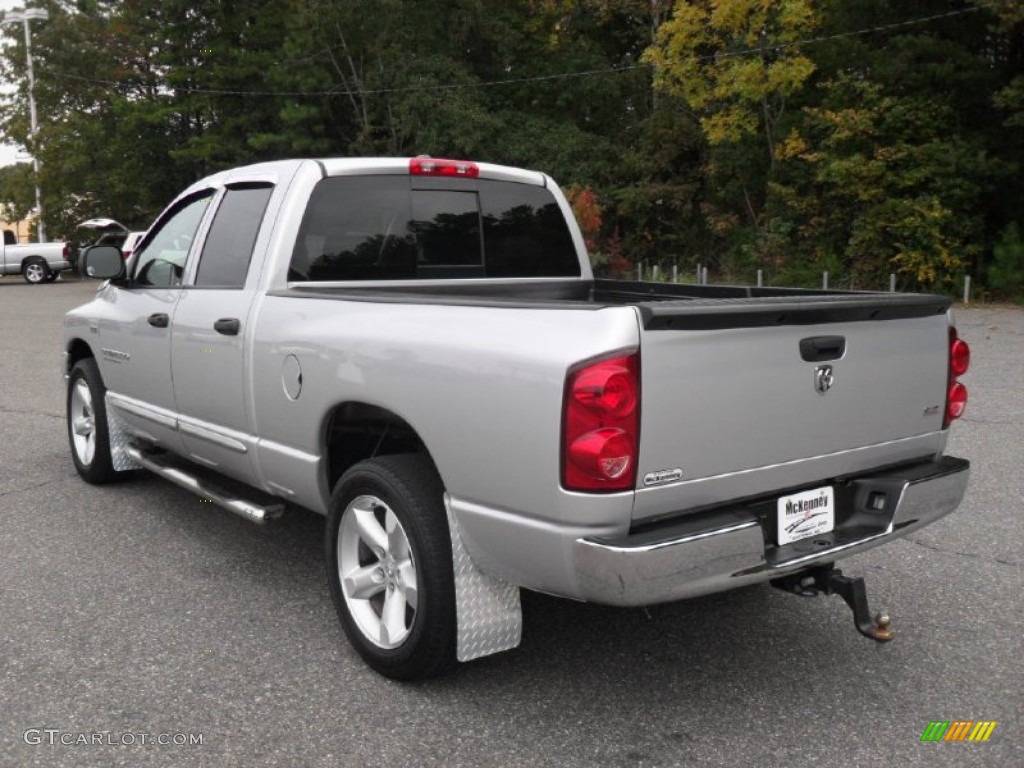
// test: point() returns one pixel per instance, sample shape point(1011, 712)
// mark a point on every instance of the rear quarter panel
point(482, 386)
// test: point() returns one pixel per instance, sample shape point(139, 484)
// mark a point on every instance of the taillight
point(435, 166)
point(959, 355)
point(601, 425)
point(65, 251)
point(956, 393)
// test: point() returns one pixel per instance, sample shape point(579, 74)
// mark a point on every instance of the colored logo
point(958, 730)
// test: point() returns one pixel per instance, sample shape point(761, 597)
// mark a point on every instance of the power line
point(342, 91)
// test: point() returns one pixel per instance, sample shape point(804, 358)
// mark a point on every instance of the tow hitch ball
point(828, 580)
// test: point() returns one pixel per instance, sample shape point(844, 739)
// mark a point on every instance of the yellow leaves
point(727, 58)
point(789, 74)
point(728, 124)
point(734, 16)
point(794, 145)
point(923, 247)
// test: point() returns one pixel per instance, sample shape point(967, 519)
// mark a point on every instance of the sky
point(8, 151)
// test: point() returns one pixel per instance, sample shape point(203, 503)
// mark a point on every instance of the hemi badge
point(663, 476)
point(115, 355)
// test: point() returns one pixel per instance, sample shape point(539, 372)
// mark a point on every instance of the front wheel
point(87, 423)
point(389, 566)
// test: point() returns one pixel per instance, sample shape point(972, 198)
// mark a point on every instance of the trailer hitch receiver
point(829, 580)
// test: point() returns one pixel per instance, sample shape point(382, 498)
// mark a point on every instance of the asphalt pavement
point(134, 614)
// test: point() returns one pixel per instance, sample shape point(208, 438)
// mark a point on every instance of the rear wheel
point(87, 423)
point(389, 566)
point(35, 271)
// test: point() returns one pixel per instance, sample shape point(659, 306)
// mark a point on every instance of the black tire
point(35, 271)
point(94, 466)
point(51, 277)
point(408, 486)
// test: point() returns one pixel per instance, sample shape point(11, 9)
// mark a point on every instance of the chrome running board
point(250, 510)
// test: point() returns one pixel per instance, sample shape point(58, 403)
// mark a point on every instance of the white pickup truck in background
point(36, 262)
point(418, 350)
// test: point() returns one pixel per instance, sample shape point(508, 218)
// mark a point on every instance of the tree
point(735, 65)
point(891, 166)
point(17, 192)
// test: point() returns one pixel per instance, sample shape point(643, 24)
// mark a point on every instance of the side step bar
point(251, 511)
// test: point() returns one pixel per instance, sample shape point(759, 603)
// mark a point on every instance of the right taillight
point(600, 427)
point(956, 393)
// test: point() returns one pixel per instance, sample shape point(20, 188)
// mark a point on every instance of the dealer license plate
point(805, 514)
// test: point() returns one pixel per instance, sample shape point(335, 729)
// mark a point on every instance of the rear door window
point(227, 251)
point(380, 228)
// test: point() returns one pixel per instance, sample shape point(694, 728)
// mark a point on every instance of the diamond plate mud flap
point(119, 439)
point(487, 609)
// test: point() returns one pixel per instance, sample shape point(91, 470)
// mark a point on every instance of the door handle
point(158, 320)
point(818, 349)
point(229, 326)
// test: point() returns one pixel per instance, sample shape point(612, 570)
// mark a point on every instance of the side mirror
point(103, 262)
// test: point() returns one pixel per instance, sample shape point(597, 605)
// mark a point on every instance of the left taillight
point(601, 424)
point(66, 251)
point(956, 393)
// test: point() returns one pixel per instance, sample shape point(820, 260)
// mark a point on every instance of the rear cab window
point(401, 228)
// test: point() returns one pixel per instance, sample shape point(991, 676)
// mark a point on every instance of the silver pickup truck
point(35, 262)
point(417, 350)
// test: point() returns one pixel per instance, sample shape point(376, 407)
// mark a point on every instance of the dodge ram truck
point(417, 349)
point(35, 262)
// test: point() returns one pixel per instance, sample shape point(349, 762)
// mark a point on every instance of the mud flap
point(488, 613)
point(119, 441)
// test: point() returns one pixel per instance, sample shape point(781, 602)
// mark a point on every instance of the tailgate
point(749, 397)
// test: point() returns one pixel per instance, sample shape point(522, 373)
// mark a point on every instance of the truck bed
point(730, 409)
point(661, 305)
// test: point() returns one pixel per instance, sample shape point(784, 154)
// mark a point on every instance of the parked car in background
point(130, 243)
point(36, 262)
point(101, 232)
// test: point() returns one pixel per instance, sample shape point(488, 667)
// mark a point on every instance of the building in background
point(22, 229)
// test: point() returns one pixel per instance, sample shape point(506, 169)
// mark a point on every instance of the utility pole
point(24, 16)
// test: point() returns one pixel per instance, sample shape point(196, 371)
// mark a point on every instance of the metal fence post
point(892, 282)
point(824, 280)
point(654, 273)
point(675, 273)
point(967, 289)
point(760, 278)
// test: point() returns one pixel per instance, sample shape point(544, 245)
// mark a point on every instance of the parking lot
point(136, 609)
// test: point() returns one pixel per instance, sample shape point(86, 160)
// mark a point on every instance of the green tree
point(734, 64)
point(893, 166)
point(1006, 272)
point(883, 187)
point(17, 192)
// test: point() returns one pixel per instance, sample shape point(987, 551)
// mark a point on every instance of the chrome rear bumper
point(723, 549)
